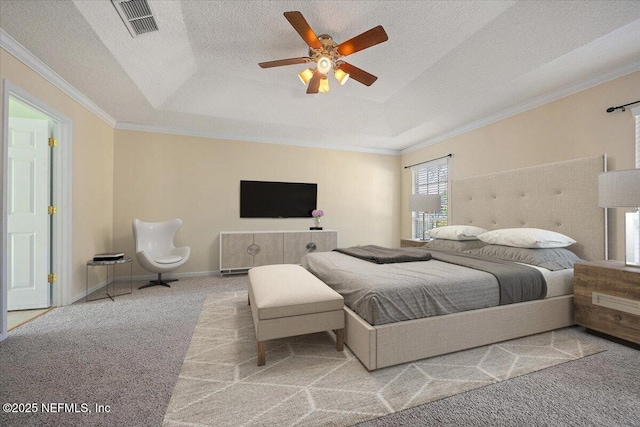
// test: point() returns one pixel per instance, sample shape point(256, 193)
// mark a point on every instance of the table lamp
point(621, 189)
point(424, 203)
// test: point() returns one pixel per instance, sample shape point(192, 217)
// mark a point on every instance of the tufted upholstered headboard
point(560, 196)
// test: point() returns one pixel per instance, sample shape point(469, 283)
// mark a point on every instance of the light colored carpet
point(124, 353)
point(307, 382)
point(128, 354)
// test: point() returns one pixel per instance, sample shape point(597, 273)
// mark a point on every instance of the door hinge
point(52, 278)
point(53, 142)
point(52, 210)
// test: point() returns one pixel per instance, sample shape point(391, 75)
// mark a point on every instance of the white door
point(28, 219)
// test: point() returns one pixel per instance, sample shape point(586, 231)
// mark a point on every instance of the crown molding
point(12, 46)
point(530, 105)
point(25, 56)
point(281, 141)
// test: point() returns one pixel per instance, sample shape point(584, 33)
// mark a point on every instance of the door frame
point(62, 195)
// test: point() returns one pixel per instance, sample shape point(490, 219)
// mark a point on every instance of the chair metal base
point(158, 282)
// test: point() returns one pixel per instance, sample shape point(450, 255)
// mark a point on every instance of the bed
point(559, 197)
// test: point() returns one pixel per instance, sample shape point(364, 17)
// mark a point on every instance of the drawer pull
point(253, 249)
point(616, 303)
point(311, 247)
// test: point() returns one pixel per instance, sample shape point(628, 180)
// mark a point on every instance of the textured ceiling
point(446, 64)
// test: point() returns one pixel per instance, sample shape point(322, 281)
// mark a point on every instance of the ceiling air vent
point(136, 15)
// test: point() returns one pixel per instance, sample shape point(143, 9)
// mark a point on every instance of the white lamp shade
point(619, 189)
point(424, 203)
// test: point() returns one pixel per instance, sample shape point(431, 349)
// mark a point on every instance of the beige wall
point(160, 176)
point(119, 175)
point(92, 225)
point(570, 128)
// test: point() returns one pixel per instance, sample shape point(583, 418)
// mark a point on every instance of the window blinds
point(636, 112)
point(638, 141)
point(430, 178)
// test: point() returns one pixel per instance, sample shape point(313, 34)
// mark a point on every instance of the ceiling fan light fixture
point(324, 64)
point(341, 76)
point(324, 85)
point(306, 75)
point(326, 54)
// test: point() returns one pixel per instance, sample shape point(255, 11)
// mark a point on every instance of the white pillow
point(526, 238)
point(456, 232)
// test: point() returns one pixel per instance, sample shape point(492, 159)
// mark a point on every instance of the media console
point(241, 250)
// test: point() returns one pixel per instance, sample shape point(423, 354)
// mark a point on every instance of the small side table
point(107, 264)
point(404, 243)
point(607, 299)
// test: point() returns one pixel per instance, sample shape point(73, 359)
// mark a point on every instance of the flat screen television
point(265, 199)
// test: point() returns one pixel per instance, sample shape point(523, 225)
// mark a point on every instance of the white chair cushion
point(168, 259)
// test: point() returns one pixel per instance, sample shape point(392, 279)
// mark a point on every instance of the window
point(636, 112)
point(430, 178)
point(632, 232)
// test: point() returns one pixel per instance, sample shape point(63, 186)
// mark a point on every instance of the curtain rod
point(612, 109)
point(426, 161)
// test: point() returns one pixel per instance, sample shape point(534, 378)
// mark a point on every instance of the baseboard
point(92, 289)
point(144, 277)
point(170, 275)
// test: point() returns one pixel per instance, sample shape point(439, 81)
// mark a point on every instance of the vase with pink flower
point(317, 214)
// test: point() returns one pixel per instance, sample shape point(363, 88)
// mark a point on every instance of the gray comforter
point(388, 293)
point(517, 282)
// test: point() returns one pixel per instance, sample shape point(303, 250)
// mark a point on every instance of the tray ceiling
point(446, 64)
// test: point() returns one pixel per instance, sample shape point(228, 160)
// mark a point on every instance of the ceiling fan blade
point(367, 39)
point(314, 83)
point(302, 27)
point(357, 74)
point(281, 62)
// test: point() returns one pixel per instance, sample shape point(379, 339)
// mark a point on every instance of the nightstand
point(607, 298)
point(412, 243)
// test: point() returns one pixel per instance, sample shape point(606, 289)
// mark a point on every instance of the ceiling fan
point(327, 55)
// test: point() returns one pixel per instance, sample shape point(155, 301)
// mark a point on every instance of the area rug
point(307, 382)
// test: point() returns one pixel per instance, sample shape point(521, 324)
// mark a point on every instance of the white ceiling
point(447, 64)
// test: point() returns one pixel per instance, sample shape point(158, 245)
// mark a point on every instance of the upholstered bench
point(286, 300)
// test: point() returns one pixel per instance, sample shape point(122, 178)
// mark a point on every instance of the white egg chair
point(155, 250)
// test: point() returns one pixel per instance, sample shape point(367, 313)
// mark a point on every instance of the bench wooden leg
point(340, 339)
point(262, 346)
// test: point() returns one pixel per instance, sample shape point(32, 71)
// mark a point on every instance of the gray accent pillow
point(550, 258)
point(454, 245)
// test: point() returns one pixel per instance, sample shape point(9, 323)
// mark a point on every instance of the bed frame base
point(387, 345)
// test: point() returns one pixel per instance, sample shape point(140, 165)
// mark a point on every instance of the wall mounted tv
point(264, 199)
